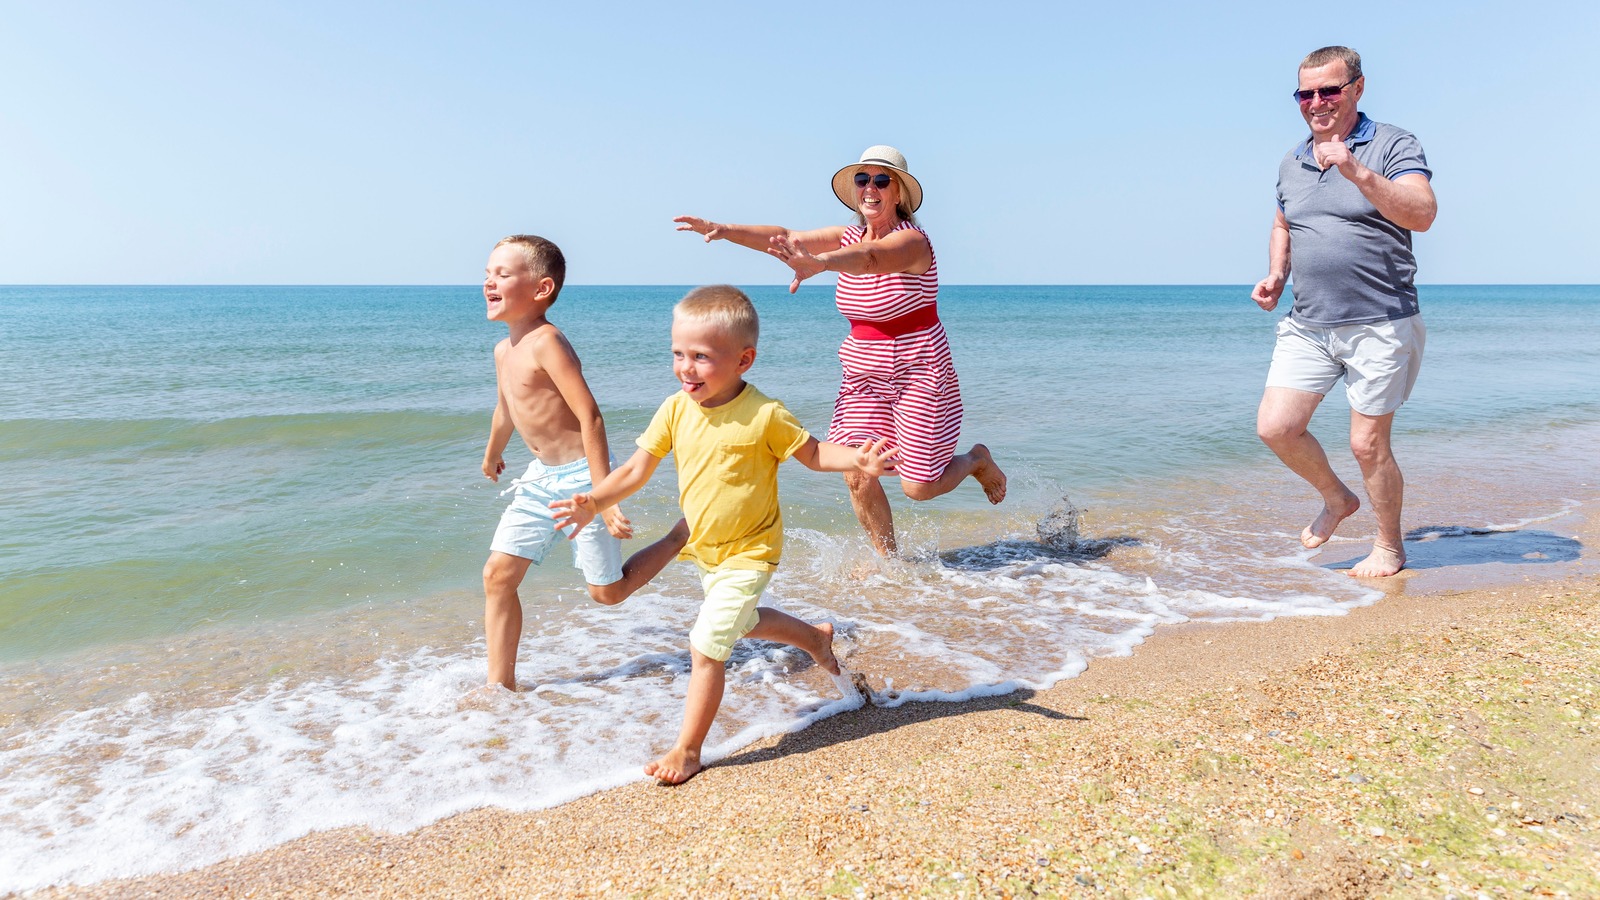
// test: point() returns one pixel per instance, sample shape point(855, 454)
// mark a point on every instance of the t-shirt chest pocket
point(736, 462)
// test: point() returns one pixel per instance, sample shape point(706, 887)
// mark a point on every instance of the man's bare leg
point(1281, 424)
point(642, 566)
point(872, 511)
point(502, 615)
point(1369, 441)
point(977, 463)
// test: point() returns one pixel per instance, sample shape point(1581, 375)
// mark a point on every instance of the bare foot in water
point(1381, 563)
point(485, 697)
point(823, 656)
point(1322, 527)
point(988, 474)
point(678, 766)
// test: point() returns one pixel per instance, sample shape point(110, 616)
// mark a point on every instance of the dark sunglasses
point(1326, 93)
point(878, 181)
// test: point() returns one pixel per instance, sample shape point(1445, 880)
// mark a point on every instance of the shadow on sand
point(870, 720)
point(1440, 546)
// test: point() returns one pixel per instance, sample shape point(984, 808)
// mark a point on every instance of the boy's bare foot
point(484, 697)
point(678, 766)
point(824, 657)
point(1381, 563)
point(988, 474)
point(1322, 527)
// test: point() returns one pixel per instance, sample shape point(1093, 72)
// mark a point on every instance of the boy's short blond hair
point(544, 258)
point(723, 306)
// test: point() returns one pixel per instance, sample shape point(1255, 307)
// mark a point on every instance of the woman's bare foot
point(678, 766)
point(1381, 563)
point(1322, 527)
point(823, 656)
point(988, 474)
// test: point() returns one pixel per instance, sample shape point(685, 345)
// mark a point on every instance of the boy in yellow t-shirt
point(728, 439)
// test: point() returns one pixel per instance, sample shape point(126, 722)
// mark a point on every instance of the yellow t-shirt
point(727, 460)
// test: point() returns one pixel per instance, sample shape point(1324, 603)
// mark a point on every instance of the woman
point(899, 378)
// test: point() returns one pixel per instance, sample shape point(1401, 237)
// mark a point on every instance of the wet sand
point(1443, 741)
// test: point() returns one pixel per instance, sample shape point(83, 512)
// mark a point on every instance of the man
point(1349, 197)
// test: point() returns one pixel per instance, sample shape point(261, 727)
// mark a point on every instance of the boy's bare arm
point(622, 483)
point(873, 459)
point(500, 431)
point(555, 355)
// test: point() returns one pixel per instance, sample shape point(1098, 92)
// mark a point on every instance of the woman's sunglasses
point(878, 181)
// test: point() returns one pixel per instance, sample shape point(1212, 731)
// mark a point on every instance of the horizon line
point(1006, 284)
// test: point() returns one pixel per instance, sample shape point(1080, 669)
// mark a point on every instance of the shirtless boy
point(543, 397)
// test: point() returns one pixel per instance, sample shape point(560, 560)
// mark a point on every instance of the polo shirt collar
point(1364, 130)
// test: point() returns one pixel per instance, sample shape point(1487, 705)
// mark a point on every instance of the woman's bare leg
point(976, 463)
point(872, 511)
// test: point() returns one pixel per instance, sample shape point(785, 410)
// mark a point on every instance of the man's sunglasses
point(878, 181)
point(1326, 93)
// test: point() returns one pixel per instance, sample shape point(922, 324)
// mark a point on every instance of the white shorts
point(528, 529)
point(1378, 361)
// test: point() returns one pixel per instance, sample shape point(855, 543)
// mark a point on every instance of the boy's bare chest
point(527, 382)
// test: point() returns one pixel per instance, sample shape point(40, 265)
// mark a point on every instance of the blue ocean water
point(242, 530)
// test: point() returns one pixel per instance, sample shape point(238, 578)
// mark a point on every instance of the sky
point(1057, 143)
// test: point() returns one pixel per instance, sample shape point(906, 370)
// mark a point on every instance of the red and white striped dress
point(899, 378)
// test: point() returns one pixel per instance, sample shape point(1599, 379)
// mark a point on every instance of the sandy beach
point(1442, 742)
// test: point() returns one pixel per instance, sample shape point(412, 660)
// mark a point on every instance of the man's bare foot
point(988, 474)
point(678, 766)
point(1381, 563)
point(1322, 527)
point(824, 657)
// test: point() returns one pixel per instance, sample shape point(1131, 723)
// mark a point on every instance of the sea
point(242, 532)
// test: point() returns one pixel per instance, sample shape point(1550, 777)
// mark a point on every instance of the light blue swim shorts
point(528, 529)
point(1379, 361)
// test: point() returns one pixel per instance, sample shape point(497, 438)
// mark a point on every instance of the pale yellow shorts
point(729, 610)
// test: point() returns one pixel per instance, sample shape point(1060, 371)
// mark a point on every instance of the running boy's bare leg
point(502, 615)
point(817, 640)
point(642, 566)
point(707, 678)
point(1281, 424)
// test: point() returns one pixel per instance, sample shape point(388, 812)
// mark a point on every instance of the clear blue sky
point(393, 143)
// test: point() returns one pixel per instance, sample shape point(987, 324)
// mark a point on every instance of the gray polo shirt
point(1350, 265)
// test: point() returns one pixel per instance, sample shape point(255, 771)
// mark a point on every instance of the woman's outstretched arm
point(759, 237)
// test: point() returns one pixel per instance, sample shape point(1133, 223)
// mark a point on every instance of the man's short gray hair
point(1318, 58)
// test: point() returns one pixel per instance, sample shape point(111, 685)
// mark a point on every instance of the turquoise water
point(242, 530)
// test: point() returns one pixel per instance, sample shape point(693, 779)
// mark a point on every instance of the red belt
point(916, 320)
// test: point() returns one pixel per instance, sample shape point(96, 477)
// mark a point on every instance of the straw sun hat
point(844, 186)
